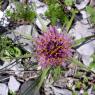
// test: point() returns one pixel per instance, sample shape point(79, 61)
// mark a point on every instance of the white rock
point(85, 15)
point(81, 91)
point(41, 23)
point(13, 84)
point(41, 10)
point(3, 18)
point(81, 30)
point(90, 91)
point(61, 91)
point(22, 35)
point(87, 60)
point(3, 89)
point(41, 7)
point(70, 82)
point(37, 2)
point(86, 49)
point(82, 5)
point(16, 68)
point(10, 7)
point(92, 3)
point(93, 44)
point(1, 14)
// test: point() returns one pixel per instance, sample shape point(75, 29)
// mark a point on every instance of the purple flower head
point(53, 48)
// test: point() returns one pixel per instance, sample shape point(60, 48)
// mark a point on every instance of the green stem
point(71, 20)
point(43, 76)
point(81, 40)
point(17, 58)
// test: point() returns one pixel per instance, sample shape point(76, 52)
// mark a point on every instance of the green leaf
point(17, 51)
point(92, 65)
point(81, 40)
point(74, 93)
point(43, 75)
point(76, 62)
point(78, 42)
point(34, 87)
point(23, 12)
point(85, 93)
point(56, 72)
point(68, 26)
point(55, 13)
point(91, 11)
point(68, 2)
point(12, 93)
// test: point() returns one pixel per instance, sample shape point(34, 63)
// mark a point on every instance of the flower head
point(53, 48)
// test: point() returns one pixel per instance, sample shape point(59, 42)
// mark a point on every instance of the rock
point(42, 23)
point(4, 77)
point(41, 10)
point(87, 60)
point(81, 30)
point(2, 30)
point(16, 68)
point(90, 91)
point(4, 5)
point(58, 91)
point(92, 3)
point(13, 84)
point(22, 36)
point(93, 44)
point(11, 7)
point(37, 2)
point(3, 19)
point(26, 88)
point(86, 51)
point(1, 62)
point(1, 14)
point(82, 4)
point(85, 15)
point(41, 7)
point(58, 87)
point(3, 89)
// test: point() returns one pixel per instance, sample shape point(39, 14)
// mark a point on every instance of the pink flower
point(53, 48)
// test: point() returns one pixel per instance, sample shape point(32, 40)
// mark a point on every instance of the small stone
point(22, 34)
point(13, 84)
point(41, 10)
point(92, 3)
point(90, 91)
point(4, 4)
point(27, 88)
point(70, 82)
point(81, 91)
point(87, 60)
point(3, 89)
point(84, 14)
point(86, 50)
point(58, 91)
point(41, 23)
point(82, 4)
point(1, 14)
point(81, 30)
point(1, 62)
